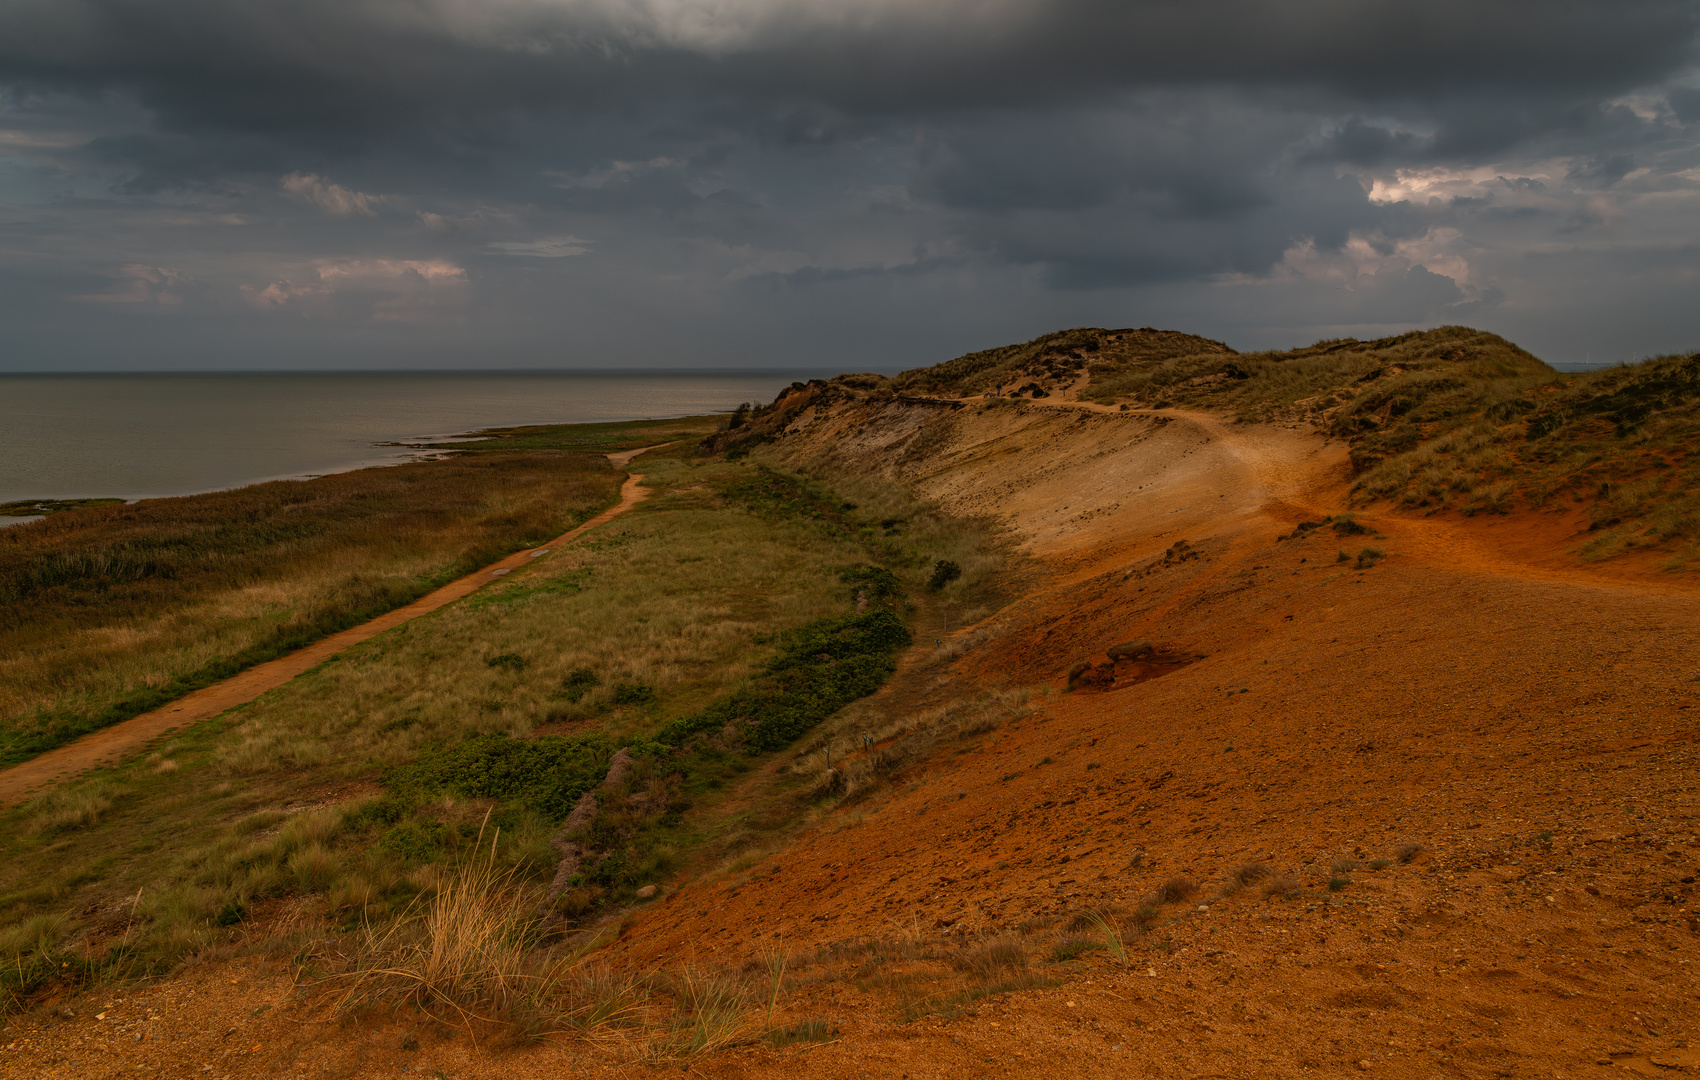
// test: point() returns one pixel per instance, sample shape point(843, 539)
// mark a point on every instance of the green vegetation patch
point(1091, 349)
point(820, 669)
point(31, 507)
point(585, 438)
point(767, 491)
point(545, 775)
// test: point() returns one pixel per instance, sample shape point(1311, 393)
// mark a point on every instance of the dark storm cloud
point(329, 63)
point(662, 179)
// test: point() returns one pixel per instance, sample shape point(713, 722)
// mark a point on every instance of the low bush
point(944, 572)
point(633, 694)
point(820, 669)
point(545, 775)
point(579, 681)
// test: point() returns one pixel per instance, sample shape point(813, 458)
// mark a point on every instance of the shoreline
point(413, 450)
point(136, 437)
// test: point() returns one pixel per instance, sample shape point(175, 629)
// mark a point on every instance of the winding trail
point(109, 744)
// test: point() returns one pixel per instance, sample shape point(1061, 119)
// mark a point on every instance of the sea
point(137, 436)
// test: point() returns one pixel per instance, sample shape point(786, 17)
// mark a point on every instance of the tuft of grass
point(1343, 866)
point(1072, 948)
point(1176, 890)
point(1338, 882)
point(68, 808)
point(1250, 874)
point(776, 961)
point(1407, 852)
point(992, 958)
point(1368, 557)
point(816, 1029)
point(1281, 887)
point(709, 1014)
point(1112, 936)
point(462, 956)
point(1380, 864)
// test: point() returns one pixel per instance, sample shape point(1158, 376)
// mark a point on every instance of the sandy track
point(109, 744)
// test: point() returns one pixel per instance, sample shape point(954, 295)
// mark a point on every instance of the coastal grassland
point(363, 787)
point(109, 611)
point(31, 507)
point(606, 438)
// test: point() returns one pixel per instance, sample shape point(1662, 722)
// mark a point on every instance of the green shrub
point(417, 841)
point(546, 775)
point(578, 682)
point(944, 572)
point(875, 583)
point(820, 669)
point(231, 914)
point(633, 694)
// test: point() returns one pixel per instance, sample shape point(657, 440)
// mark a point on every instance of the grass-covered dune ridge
point(1445, 419)
point(1086, 350)
point(110, 611)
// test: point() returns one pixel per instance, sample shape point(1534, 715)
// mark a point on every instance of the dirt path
point(107, 745)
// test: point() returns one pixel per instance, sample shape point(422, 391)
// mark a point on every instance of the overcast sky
point(856, 184)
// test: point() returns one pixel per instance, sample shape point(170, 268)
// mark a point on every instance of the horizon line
point(444, 371)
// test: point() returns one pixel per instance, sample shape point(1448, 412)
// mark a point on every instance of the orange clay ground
point(1528, 720)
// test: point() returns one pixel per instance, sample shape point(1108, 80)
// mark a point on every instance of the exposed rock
point(1130, 650)
point(646, 892)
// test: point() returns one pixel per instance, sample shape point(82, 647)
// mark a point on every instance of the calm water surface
point(136, 436)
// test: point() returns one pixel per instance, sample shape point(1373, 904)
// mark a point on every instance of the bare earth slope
point(1515, 735)
point(1532, 727)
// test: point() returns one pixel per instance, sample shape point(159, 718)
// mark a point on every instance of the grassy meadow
point(705, 631)
point(109, 611)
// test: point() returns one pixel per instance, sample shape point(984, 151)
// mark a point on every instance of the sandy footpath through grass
point(105, 746)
